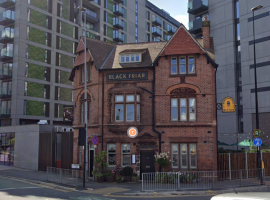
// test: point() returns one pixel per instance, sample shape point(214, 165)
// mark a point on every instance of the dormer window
point(130, 58)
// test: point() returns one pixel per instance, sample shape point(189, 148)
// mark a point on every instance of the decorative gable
point(182, 43)
point(80, 46)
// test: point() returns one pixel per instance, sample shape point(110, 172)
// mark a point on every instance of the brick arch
point(183, 85)
point(82, 93)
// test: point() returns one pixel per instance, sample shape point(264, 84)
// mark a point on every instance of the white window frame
point(129, 56)
point(173, 65)
point(115, 112)
point(182, 144)
point(125, 154)
point(175, 154)
point(193, 64)
point(110, 153)
point(177, 109)
point(195, 154)
point(181, 64)
point(194, 109)
point(183, 107)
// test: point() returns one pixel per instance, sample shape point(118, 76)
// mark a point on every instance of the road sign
point(257, 132)
point(257, 142)
point(132, 132)
point(95, 140)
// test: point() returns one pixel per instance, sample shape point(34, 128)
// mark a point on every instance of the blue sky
point(176, 8)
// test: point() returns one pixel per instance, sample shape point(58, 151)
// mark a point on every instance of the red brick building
point(164, 89)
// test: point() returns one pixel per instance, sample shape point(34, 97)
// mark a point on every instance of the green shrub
point(127, 171)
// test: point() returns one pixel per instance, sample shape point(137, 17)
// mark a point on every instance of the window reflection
point(7, 142)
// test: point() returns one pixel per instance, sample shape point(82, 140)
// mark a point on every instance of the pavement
point(117, 189)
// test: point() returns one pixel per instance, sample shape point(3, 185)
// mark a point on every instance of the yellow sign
point(228, 105)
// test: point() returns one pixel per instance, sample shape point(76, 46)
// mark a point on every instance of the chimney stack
point(206, 33)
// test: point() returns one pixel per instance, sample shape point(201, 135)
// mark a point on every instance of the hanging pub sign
point(131, 76)
point(228, 105)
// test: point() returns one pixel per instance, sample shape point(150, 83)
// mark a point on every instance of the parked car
point(243, 196)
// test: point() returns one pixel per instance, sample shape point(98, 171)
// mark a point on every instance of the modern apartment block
point(231, 26)
point(38, 41)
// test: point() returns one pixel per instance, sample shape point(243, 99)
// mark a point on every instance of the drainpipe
point(216, 115)
point(102, 126)
point(153, 112)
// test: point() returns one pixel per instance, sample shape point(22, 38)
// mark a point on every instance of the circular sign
point(257, 142)
point(95, 140)
point(132, 132)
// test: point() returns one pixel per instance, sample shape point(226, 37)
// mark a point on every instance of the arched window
point(183, 104)
point(88, 108)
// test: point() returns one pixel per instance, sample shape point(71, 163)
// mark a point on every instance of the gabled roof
point(106, 55)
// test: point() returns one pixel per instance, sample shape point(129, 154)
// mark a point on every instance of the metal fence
point(201, 179)
point(63, 176)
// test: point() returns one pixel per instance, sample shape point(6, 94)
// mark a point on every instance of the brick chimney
point(206, 33)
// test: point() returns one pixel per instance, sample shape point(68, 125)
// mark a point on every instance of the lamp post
point(256, 93)
point(85, 98)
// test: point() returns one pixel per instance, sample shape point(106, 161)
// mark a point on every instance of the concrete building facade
point(232, 31)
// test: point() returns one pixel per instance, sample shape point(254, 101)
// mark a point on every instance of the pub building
point(166, 90)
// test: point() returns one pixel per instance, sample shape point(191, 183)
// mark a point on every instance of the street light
point(85, 97)
point(256, 93)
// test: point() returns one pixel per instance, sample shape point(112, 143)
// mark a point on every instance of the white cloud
point(183, 19)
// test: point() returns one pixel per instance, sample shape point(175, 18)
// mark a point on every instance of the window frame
point(82, 104)
point(125, 154)
point(129, 58)
point(178, 65)
point(125, 103)
point(111, 153)
point(89, 74)
point(187, 154)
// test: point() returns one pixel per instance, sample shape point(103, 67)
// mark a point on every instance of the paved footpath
point(112, 189)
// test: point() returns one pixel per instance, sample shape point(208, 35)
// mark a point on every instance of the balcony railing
point(5, 92)
point(92, 16)
point(155, 39)
point(7, 3)
point(118, 23)
point(195, 26)
point(6, 71)
point(6, 54)
point(7, 17)
point(197, 6)
point(171, 30)
point(156, 32)
point(118, 37)
point(156, 21)
point(119, 1)
point(6, 35)
point(118, 10)
point(5, 112)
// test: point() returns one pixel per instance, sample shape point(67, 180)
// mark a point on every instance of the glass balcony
point(6, 71)
point(154, 39)
point(5, 92)
point(5, 112)
point(197, 6)
point(118, 10)
point(118, 23)
point(6, 35)
point(91, 16)
point(156, 32)
point(7, 3)
point(156, 20)
point(118, 36)
point(170, 29)
point(7, 17)
point(7, 53)
point(195, 26)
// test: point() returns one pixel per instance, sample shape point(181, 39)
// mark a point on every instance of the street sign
point(257, 142)
point(95, 140)
point(75, 166)
point(257, 132)
point(132, 132)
